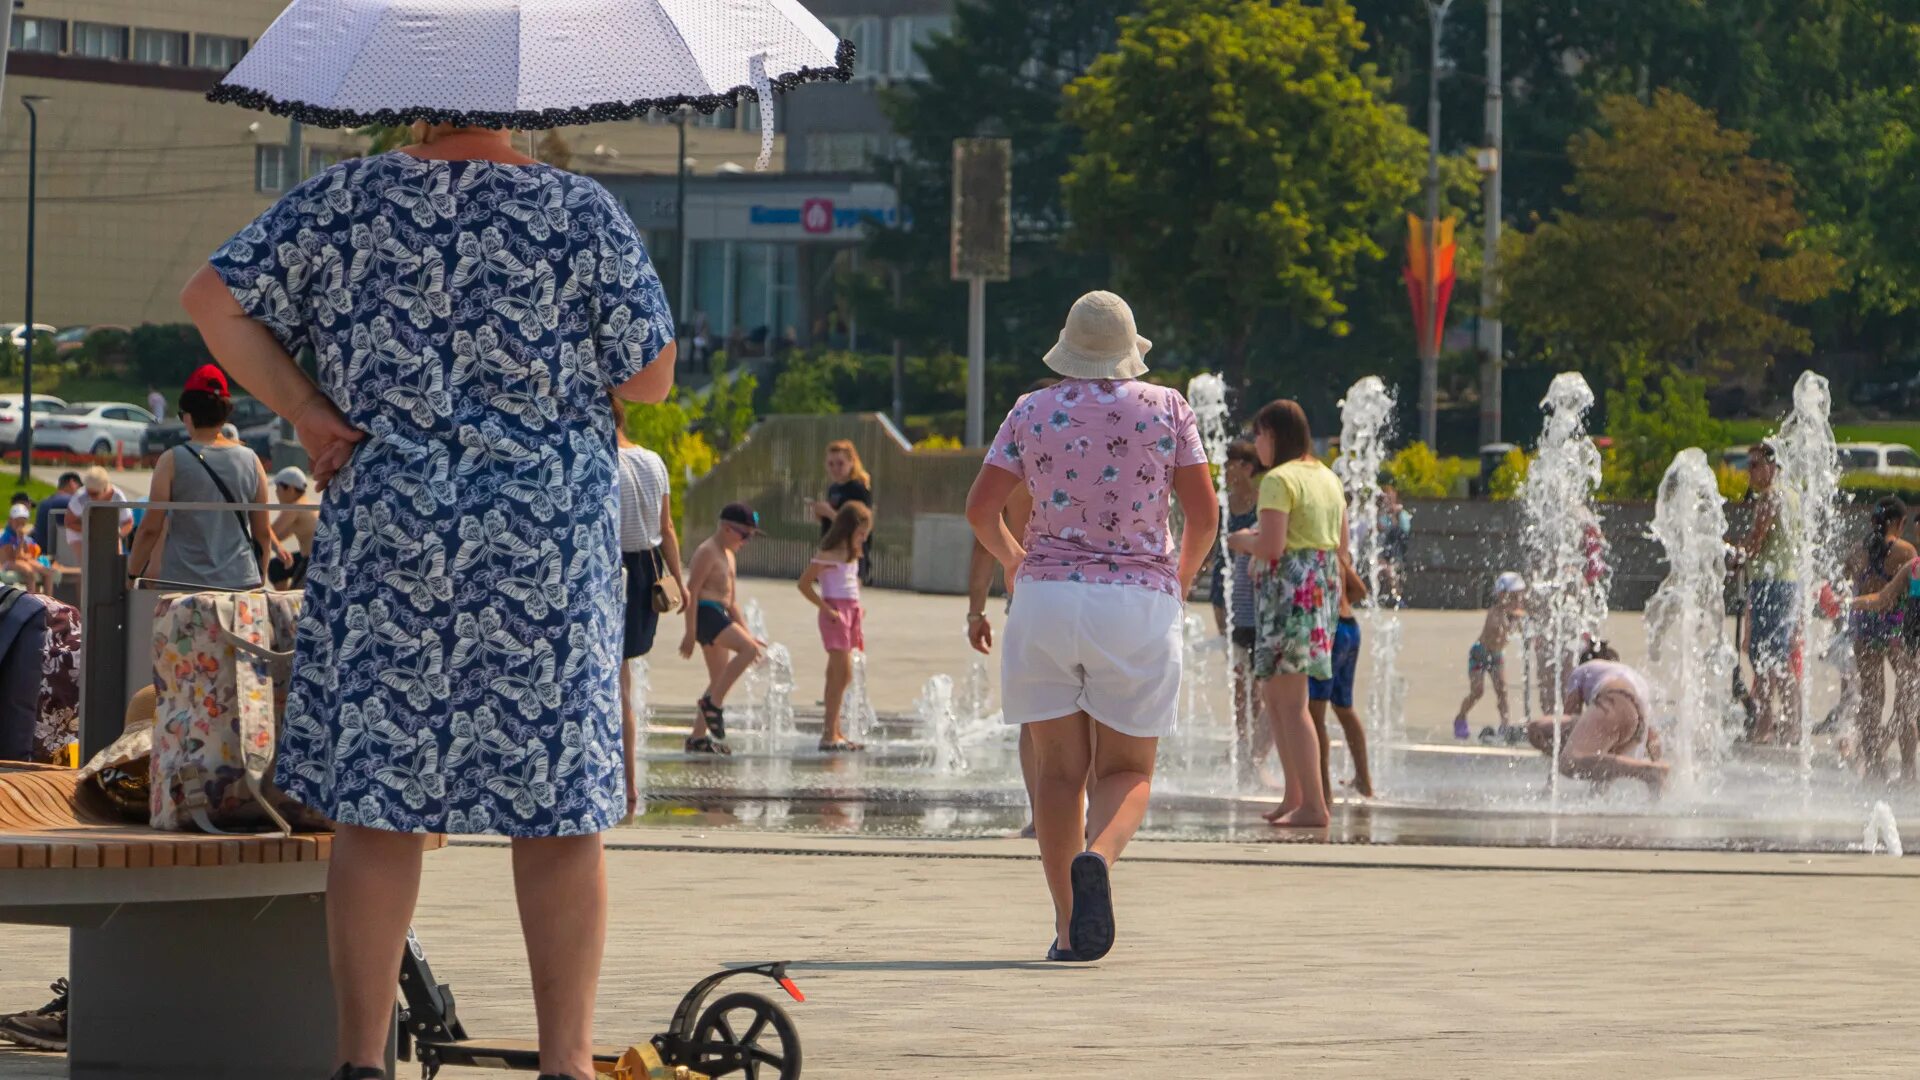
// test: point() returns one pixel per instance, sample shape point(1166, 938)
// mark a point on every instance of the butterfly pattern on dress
point(457, 658)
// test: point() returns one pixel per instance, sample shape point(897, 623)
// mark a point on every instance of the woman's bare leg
point(715, 658)
point(1062, 754)
point(1121, 786)
point(1871, 720)
point(839, 674)
point(1906, 707)
point(561, 882)
point(373, 880)
point(1589, 751)
point(1286, 697)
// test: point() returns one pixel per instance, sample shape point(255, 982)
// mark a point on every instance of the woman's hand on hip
point(326, 437)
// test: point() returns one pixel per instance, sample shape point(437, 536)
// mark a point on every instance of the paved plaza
point(1234, 960)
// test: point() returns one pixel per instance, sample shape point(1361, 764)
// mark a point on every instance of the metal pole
point(1430, 333)
point(1493, 352)
point(680, 220)
point(26, 362)
point(976, 361)
point(899, 345)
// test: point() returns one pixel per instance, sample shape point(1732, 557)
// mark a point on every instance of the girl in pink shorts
point(831, 582)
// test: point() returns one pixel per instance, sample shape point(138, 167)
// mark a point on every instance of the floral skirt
point(1296, 606)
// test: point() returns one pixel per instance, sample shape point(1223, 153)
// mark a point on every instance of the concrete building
point(141, 178)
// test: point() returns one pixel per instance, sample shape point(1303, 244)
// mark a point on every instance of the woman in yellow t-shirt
point(1296, 550)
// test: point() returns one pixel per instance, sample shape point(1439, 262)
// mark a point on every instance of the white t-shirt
point(642, 480)
point(77, 513)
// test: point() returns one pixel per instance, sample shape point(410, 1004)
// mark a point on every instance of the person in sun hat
point(96, 485)
point(20, 553)
point(197, 548)
point(1486, 658)
point(1093, 641)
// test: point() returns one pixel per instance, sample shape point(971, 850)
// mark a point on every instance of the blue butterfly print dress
point(459, 646)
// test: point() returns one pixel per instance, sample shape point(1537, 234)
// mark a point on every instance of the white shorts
point(1113, 651)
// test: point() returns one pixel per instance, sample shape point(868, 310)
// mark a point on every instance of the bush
point(1652, 419)
point(164, 354)
point(1510, 476)
point(726, 415)
point(802, 391)
point(1733, 482)
point(937, 441)
point(1419, 473)
point(104, 352)
point(669, 429)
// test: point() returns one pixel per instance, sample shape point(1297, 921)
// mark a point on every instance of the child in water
point(1487, 657)
point(835, 570)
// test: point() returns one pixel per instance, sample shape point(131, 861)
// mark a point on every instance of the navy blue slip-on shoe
point(1055, 952)
point(1090, 931)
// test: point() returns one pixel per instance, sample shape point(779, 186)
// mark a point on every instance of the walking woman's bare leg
point(1871, 720)
point(373, 880)
point(1062, 754)
point(561, 882)
point(1120, 789)
point(1906, 707)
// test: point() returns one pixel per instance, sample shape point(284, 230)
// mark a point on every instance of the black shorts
point(1243, 637)
point(642, 621)
point(285, 576)
point(710, 621)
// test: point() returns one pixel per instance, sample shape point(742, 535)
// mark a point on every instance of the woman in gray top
point(206, 548)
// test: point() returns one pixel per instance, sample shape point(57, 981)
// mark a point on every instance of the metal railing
point(116, 638)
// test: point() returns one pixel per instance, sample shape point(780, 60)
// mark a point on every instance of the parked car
point(1879, 459)
point(1735, 457)
point(1898, 389)
point(11, 412)
point(70, 339)
point(255, 421)
point(92, 427)
point(17, 332)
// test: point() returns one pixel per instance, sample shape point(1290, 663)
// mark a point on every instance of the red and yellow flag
point(1428, 329)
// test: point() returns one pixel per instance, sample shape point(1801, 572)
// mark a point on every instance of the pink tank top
point(838, 580)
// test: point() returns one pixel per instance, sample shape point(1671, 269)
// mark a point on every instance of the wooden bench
point(191, 955)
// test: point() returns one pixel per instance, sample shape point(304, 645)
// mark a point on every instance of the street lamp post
point(680, 220)
point(26, 362)
point(1491, 337)
point(1429, 335)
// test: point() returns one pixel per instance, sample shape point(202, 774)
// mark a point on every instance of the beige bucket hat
point(1099, 341)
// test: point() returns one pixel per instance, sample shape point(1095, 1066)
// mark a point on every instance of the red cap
point(209, 379)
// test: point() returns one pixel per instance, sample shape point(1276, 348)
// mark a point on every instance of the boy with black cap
point(715, 623)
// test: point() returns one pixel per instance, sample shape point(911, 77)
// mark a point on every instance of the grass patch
point(10, 483)
point(1746, 432)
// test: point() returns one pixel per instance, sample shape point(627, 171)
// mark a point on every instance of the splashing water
point(776, 709)
point(1366, 426)
point(941, 726)
point(1687, 621)
point(975, 701)
point(638, 679)
point(1207, 395)
point(1560, 534)
point(1809, 464)
point(1883, 833)
point(857, 718)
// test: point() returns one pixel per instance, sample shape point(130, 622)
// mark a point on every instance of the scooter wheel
point(746, 1035)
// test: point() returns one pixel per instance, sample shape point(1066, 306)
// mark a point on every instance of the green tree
point(727, 412)
point(1239, 157)
point(1684, 247)
point(1650, 418)
point(803, 390)
point(670, 429)
point(1000, 72)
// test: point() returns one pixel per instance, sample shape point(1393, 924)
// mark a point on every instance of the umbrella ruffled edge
point(525, 119)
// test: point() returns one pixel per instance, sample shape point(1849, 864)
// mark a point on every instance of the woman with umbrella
point(470, 309)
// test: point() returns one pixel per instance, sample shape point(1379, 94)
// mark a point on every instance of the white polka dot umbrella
point(528, 64)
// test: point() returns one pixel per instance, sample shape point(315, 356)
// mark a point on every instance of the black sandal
point(701, 744)
point(714, 717)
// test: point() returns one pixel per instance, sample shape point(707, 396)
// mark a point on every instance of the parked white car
point(1879, 459)
point(92, 427)
point(10, 413)
point(17, 332)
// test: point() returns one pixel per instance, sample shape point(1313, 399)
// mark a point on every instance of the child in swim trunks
point(1487, 657)
point(715, 623)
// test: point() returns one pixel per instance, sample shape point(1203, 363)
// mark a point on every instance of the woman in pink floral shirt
point(1094, 637)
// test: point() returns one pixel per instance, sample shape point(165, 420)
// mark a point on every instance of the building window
point(31, 34)
point(842, 153)
point(100, 41)
point(909, 32)
point(869, 56)
point(160, 47)
point(270, 172)
point(217, 52)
